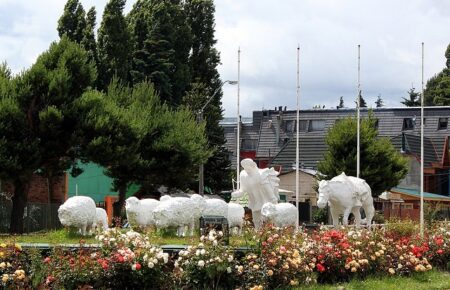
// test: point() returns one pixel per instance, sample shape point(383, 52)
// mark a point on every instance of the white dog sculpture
point(345, 194)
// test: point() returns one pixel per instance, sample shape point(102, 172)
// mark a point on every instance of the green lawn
point(64, 237)
point(432, 280)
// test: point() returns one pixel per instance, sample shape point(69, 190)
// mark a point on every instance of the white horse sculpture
point(345, 195)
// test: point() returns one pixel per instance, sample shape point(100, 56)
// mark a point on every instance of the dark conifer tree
point(113, 44)
point(72, 23)
point(203, 61)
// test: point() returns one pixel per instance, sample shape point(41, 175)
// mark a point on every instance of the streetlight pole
point(422, 159)
point(201, 180)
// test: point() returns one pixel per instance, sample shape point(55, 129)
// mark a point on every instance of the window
point(303, 125)
point(402, 205)
point(248, 144)
point(408, 124)
point(443, 122)
point(289, 126)
point(316, 125)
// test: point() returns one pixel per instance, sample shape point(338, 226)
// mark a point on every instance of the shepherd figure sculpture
point(261, 185)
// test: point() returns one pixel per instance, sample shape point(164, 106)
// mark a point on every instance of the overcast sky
point(268, 32)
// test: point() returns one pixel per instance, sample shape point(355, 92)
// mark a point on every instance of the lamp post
point(201, 181)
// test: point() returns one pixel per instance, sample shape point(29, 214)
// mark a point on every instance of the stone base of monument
point(218, 223)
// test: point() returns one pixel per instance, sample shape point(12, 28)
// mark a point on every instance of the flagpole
point(238, 145)
point(421, 150)
point(358, 153)
point(297, 181)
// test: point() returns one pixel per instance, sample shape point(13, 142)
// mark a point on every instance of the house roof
point(410, 144)
point(426, 195)
point(277, 143)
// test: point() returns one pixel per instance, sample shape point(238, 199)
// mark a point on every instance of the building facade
point(269, 138)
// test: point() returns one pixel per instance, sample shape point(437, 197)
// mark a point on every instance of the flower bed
point(281, 258)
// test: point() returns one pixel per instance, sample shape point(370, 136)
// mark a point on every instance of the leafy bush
point(320, 216)
point(401, 228)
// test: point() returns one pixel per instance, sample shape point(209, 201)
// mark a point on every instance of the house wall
point(307, 181)
point(38, 191)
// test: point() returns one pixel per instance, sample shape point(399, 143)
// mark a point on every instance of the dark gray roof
point(311, 151)
point(269, 124)
point(410, 144)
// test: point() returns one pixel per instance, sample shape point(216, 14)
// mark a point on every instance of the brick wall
point(38, 190)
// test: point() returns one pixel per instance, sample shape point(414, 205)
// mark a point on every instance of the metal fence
point(36, 217)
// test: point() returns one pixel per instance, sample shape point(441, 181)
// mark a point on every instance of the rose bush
point(279, 258)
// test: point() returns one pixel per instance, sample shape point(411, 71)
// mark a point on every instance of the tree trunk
point(118, 204)
point(50, 191)
point(19, 201)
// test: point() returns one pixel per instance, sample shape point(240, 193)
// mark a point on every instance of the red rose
point(47, 260)
point(138, 266)
point(320, 268)
point(440, 251)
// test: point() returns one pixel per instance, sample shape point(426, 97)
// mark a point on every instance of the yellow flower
point(377, 254)
point(5, 278)
point(256, 266)
point(2, 245)
point(2, 254)
point(270, 273)
point(429, 267)
point(353, 269)
point(2, 265)
point(295, 254)
point(347, 266)
point(18, 247)
point(381, 252)
point(391, 271)
point(293, 282)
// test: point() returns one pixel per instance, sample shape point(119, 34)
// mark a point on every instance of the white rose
point(201, 263)
point(151, 265)
point(228, 270)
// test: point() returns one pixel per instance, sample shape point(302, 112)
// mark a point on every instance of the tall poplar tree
point(113, 44)
point(162, 40)
point(203, 61)
point(88, 42)
point(72, 23)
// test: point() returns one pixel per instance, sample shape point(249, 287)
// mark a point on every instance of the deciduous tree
point(437, 92)
point(381, 165)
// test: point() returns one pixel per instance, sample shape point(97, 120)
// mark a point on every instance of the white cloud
point(328, 31)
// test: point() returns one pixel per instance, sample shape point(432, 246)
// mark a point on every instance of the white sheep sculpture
point(78, 212)
point(101, 221)
point(281, 214)
point(179, 212)
point(215, 206)
point(140, 212)
point(235, 216)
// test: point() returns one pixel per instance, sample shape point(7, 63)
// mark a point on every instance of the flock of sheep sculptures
point(80, 212)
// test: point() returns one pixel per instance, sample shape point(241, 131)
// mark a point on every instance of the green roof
point(416, 193)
